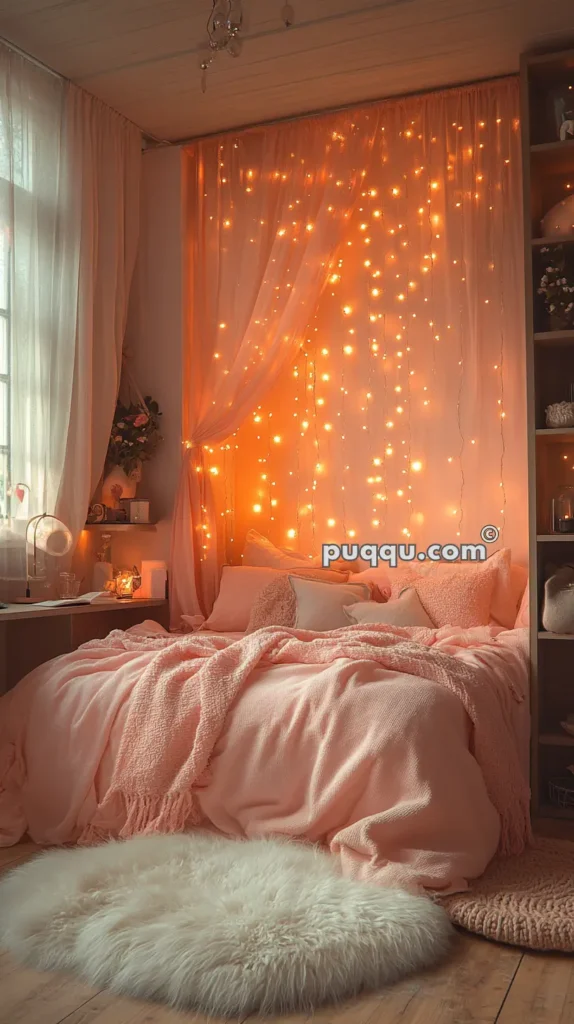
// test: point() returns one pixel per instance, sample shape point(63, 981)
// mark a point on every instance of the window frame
point(6, 378)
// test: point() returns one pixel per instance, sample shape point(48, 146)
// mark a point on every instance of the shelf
point(558, 435)
point(553, 156)
point(555, 739)
point(555, 538)
point(124, 526)
point(554, 337)
point(550, 811)
point(543, 634)
point(552, 240)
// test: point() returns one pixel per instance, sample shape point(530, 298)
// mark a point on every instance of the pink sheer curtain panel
point(267, 209)
point(401, 418)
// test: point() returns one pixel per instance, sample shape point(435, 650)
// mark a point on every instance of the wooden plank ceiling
point(142, 56)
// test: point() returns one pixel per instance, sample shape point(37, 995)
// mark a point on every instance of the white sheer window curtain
point(69, 210)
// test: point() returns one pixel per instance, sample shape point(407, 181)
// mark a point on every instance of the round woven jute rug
point(523, 901)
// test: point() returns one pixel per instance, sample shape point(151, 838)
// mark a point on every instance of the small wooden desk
point(30, 635)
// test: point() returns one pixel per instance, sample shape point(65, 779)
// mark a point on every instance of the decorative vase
point(560, 219)
point(119, 484)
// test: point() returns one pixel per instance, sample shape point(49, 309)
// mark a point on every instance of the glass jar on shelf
point(563, 510)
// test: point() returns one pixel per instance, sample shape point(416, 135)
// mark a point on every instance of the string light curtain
point(267, 209)
point(401, 417)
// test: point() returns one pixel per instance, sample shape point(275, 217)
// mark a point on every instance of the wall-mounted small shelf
point(124, 526)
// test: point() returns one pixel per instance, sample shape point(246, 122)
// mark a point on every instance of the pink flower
point(141, 420)
point(118, 437)
point(141, 439)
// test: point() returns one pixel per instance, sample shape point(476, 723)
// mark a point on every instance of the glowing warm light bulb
point(330, 522)
point(388, 451)
point(334, 278)
point(291, 533)
point(375, 522)
point(281, 232)
point(257, 508)
point(214, 470)
point(257, 419)
point(352, 533)
point(347, 310)
point(274, 502)
point(395, 192)
point(375, 292)
point(416, 466)
point(320, 401)
point(277, 439)
point(324, 351)
point(377, 462)
point(348, 350)
point(367, 263)
point(325, 376)
point(328, 426)
point(217, 355)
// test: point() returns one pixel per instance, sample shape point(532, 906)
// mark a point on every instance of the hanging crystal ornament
point(223, 28)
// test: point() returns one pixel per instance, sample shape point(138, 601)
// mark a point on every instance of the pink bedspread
point(398, 755)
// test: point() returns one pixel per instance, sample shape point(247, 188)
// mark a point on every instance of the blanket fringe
point(148, 815)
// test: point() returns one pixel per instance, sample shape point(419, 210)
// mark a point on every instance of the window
point(5, 396)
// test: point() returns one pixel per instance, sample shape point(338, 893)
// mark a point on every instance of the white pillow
point(321, 606)
point(407, 610)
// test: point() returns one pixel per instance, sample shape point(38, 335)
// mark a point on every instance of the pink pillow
point(451, 597)
point(259, 551)
point(523, 617)
point(240, 585)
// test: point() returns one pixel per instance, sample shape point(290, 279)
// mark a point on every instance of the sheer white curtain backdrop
point(69, 213)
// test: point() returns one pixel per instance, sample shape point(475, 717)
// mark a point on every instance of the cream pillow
point(276, 604)
point(406, 611)
point(321, 606)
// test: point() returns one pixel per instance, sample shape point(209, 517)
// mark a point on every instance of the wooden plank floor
point(481, 983)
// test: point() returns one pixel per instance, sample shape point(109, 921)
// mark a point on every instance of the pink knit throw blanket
point(178, 708)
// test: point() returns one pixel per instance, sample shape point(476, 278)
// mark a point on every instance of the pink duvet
point(412, 778)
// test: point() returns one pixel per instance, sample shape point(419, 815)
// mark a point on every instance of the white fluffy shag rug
point(223, 927)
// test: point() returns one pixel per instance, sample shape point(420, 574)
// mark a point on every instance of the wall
point(154, 344)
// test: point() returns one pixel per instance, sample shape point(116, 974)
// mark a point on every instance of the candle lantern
point(563, 511)
point(125, 584)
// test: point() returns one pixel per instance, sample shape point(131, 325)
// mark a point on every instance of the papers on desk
point(97, 597)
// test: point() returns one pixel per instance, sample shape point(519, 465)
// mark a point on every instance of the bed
point(402, 750)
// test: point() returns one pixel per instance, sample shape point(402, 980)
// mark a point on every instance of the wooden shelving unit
point(548, 173)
